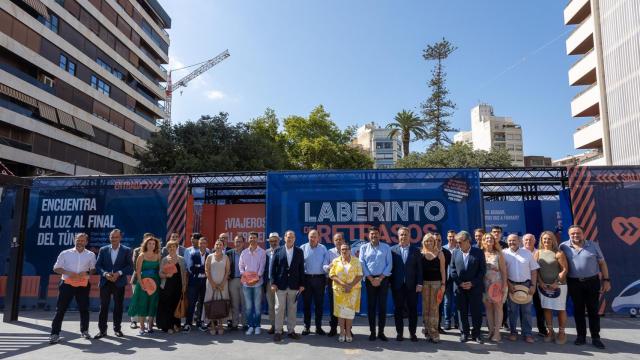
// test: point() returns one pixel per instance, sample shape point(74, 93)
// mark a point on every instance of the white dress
point(217, 273)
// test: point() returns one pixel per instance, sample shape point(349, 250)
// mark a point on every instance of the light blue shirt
point(314, 259)
point(405, 253)
point(331, 255)
point(376, 260)
point(582, 263)
point(187, 257)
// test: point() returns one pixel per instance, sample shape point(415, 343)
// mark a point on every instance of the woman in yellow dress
point(346, 273)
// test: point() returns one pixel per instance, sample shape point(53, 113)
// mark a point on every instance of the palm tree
point(407, 123)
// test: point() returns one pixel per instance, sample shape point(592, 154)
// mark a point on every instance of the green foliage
point(315, 142)
point(213, 144)
point(407, 123)
point(458, 155)
point(438, 107)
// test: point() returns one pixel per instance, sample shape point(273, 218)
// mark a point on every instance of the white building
point(489, 131)
point(384, 150)
point(605, 38)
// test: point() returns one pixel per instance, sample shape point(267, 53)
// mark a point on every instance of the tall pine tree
point(438, 107)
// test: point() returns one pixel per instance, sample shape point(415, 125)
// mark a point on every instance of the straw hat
point(520, 295)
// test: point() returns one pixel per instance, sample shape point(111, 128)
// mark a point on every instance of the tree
point(407, 123)
point(458, 155)
point(438, 107)
point(316, 142)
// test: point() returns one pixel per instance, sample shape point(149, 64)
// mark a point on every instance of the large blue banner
point(61, 207)
point(352, 201)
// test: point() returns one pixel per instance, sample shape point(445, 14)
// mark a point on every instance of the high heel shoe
point(342, 338)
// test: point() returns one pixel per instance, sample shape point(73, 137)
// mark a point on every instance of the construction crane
point(171, 87)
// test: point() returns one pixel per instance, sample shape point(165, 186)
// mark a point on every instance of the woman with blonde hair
point(496, 274)
point(144, 302)
point(434, 280)
point(552, 284)
point(173, 285)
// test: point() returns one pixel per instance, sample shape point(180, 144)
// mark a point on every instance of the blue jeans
point(449, 305)
point(522, 311)
point(252, 305)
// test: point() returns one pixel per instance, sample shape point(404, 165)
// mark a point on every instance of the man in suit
point(235, 287)
point(468, 267)
point(287, 271)
point(406, 283)
point(197, 284)
point(176, 237)
point(113, 265)
point(274, 244)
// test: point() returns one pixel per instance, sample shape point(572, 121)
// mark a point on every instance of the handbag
point(217, 309)
point(181, 309)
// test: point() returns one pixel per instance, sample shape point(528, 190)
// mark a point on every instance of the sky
point(362, 60)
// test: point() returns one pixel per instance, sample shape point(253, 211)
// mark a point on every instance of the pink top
point(253, 261)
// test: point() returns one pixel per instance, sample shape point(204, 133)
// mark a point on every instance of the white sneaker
point(250, 331)
point(257, 331)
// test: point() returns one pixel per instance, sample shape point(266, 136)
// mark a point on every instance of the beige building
point(374, 140)
point(607, 68)
point(489, 131)
point(80, 83)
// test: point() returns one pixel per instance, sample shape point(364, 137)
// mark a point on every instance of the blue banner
point(61, 207)
point(352, 201)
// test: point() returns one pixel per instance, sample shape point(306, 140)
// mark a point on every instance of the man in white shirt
point(75, 265)
point(521, 270)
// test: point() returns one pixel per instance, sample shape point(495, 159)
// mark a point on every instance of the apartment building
point(607, 70)
point(81, 83)
point(489, 131)
point(384, 149)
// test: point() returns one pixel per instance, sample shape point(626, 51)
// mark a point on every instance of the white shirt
point(74, 261)
point(465, 258)
point(520, 264)
point(289, 254)
point(114, 253)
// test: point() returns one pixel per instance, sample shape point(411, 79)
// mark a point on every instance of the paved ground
point(28, 339)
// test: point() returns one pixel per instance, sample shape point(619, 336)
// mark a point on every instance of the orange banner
point(233, 219)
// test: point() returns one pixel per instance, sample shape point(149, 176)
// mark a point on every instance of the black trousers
point(195, 295)
point(405, 298)
point(313, 291)
point(585, 294)
point(377, 302)
point(469, 302)
point(66, 294)
point(106, 292)
point(542, 326)
point(333, 322)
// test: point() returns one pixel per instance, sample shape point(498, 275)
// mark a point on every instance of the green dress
point(141, 303)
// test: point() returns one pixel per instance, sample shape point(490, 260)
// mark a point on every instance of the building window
point(107, 67)
point(67, 65)
point(384, 145)
point(52, 23)
point(60, 2)
point(100, 85)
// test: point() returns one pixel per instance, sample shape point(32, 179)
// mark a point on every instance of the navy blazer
point(124, 263)
point(197, 267)
point(476, 268)
point(285, 276)
point(409, 273)
point(231, 254)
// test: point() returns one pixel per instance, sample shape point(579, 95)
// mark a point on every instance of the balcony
point(580, 41)
point(583, 72)
point(576, 11)
point(595, 158)
point(589, 136)
point(587, 102)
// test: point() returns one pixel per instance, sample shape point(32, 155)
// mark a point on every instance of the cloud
point(215, 95)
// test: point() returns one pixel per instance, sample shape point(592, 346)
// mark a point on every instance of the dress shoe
point(447, 326)
point(118, 333)
point(580, 341)
point(382, 337)
point(133, 325)
point(85, 335)
point(441, 331)
point(399, 337)
point(271, 330)
point(54, 339)
point(319, 331)
point(372, 337)
point(293, 336)
point(277, 337)
point(478, 340)
point(464, 338)
point(100, 335)
point(306, 331)
point(332, 333)
point(597, 343)
point(414, 338)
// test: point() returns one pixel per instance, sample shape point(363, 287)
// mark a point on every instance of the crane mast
point(171, 87)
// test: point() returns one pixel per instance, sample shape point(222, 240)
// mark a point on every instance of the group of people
point(227, 285)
